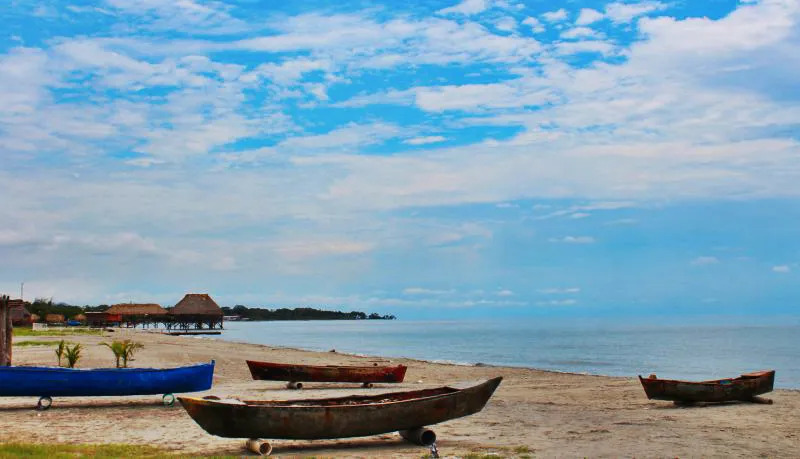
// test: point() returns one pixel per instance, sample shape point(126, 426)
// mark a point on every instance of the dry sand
point(533, 413)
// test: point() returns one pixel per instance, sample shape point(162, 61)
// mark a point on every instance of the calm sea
point(698, 351)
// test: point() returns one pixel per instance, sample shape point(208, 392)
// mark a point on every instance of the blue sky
point(429, 159)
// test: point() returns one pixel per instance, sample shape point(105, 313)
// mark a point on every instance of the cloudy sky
point(425, 158)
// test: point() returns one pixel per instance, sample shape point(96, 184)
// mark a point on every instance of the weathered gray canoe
point(354, 416)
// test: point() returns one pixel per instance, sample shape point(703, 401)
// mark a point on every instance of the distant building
point(54, 318)
point(134, 309)
point(102, 319)
point(135, 314)
point(19, 313)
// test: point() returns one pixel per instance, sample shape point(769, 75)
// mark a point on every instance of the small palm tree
point(73, 354)
point(62, 347)
point(123, 350)
point(117, 348)
point(130, 348)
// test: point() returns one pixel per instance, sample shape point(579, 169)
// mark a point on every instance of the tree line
point(43, 306)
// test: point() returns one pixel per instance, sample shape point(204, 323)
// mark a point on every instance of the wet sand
point(533, 413)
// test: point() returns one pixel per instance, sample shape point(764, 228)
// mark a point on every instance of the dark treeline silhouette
point(301, 314)
point(44, 306)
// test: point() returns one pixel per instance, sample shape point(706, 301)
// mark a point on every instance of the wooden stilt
point(6, 332)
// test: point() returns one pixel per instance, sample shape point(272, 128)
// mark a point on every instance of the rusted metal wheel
point(44, 403)
point(168, 399)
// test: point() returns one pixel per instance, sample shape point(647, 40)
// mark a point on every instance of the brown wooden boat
point(330, 373)
point(354, 416)
point(744, 388)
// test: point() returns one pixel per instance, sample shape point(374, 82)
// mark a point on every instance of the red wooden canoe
point(743, 388)
point(329, 373)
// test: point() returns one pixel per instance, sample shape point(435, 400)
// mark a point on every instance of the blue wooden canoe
point(75, 382)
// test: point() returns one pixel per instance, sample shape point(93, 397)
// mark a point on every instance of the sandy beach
point(533, 413)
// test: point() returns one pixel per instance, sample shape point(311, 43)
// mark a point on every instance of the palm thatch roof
point(197, 304)
point(80, 317)
point(54, 318)
point(131, 309)
point(19, 313)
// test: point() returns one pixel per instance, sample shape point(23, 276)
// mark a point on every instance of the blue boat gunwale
point(65, 369)
point(34, 381)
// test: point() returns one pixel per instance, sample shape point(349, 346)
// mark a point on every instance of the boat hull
point(743, 388)
point(73, 382)
point(311, 373)
point(343, 417)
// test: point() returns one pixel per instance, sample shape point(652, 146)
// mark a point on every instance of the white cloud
point(588, 16)
point(298, 250)
point(555, 16)
point(781, 269)
point(210, 17)
point(705, 260)
point(574, 240)
point(554, 291)
point(579, 32)
point(625, 12)
point(467, 7)
point(505, 292)
point(480, 96)
point(565, 302)
point(534, 24)
point(585, 46)
point(426, 291)
point(506, 24)
point(425, 140)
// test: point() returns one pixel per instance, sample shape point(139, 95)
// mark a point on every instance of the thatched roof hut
point(19, 314)
point(131, 309)
point(79, 317)
point(197, 304)
point(35, 317)
point(54, 318)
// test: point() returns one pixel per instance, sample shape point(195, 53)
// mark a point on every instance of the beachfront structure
point(19, 313)
point(144, 314)
point(54, 318)
point(102, 319)
point(195, 310)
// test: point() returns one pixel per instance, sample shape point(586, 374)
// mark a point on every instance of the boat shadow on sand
point(731, 403)
point(385, 445)
point(83, 405)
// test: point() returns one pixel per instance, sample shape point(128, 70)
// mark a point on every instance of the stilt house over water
point(196, 310)
point(144, 314)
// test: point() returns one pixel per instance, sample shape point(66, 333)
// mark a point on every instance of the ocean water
point(717, 349)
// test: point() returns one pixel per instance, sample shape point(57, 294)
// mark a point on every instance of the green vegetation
point(9, 450)
point(35, 343)
point(43, 306)
point(24, 331)
point(300, 314)
point(123, 350)
point(73, 354)
point(61, 350)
